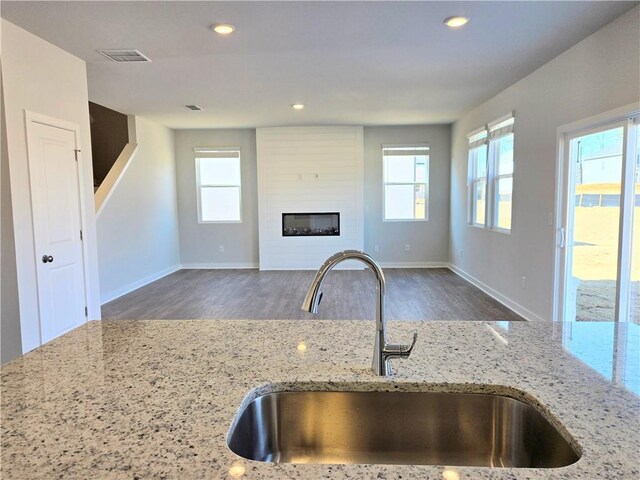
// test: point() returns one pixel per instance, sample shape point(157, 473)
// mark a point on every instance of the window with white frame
point(478, 177)
point(491, 175)
point(501, 168)
point(405, 182)
point(218, 184)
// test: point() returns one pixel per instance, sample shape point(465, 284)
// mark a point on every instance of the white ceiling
point(365, 63)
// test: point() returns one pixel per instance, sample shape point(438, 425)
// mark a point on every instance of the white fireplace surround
point(308, 169)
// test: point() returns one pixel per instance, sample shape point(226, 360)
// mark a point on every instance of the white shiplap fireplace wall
point(308, 169)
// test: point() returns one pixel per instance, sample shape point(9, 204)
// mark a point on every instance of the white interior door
point(55, 197)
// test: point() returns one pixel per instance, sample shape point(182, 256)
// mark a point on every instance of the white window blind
point(478, 138)
point(219, 183)
point(501, 128)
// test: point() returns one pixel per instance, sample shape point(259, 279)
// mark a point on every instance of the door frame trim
point(37, 118)
point(563, 137)
point(627, 202)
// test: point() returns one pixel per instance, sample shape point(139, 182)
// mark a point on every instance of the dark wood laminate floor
point(412, 294)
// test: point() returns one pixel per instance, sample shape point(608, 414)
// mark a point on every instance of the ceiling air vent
point(124, 55)
point(195, 108)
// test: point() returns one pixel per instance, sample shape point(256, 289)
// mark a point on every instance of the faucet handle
point(400, 351)
point(413, 343)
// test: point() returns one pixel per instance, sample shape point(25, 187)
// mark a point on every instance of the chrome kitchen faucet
point(382, 351)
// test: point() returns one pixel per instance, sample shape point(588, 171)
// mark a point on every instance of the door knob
point(47, 259)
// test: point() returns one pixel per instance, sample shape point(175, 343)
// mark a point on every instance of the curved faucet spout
point(382, 351)
point(314, 294)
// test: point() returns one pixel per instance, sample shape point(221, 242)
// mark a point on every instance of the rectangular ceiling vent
point(125, 55)
point(195, 108)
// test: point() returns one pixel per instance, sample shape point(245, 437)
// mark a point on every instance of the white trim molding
point(218, 266)
point(116, 173)
point(349, 265)
point(601, 119)
point(414, 265)
point(108, 297)
point(507, 302)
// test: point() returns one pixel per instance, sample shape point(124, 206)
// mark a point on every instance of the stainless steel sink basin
point(424, 428)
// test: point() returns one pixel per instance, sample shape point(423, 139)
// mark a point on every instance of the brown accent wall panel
point(109, 135)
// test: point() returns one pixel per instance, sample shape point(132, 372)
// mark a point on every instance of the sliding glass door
point(600, 229)
point(634, 273)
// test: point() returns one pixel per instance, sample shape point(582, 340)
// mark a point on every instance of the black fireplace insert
point(311, 224)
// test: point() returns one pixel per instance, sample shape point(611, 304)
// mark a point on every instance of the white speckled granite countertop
point(155, 399)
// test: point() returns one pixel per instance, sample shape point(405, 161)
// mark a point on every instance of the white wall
point(44, 79)
point(10, 341)
point(599, 74)
point(429, 241)
point(200, 243)
point(138, 225)
point(308, 169)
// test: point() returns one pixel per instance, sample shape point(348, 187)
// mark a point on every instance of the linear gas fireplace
point(310, 224)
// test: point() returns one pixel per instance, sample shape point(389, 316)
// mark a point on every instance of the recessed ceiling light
point(223, 28)
point(455, 22)
point(297, 106)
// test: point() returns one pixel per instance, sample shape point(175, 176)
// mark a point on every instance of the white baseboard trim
point(414, 265)
point(218, 266)
point(293, 269)
point(382, 264)
point(108, 297)
point(507, 302)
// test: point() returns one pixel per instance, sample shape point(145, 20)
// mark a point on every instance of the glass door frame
point(626, 117)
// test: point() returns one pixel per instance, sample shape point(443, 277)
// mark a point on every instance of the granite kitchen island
point(156, 399)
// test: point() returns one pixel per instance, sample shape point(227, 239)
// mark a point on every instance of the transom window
point(405, 182)
point(491, 175)
point(219, 184)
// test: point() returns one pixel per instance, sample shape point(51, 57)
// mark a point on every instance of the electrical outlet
point(407, 247)
point(461, 253)
point(376, 248)
point(550, 219)
point(523, 282)
point(221, 248)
